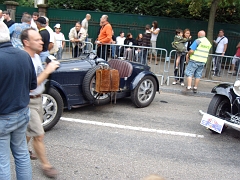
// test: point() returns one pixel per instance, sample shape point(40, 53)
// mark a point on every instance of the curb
point(183, 92)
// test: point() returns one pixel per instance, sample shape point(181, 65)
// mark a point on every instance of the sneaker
point(174, 83)
point(188, 90)
point(230, 72)
point(194, 90)
point(235, 74)
point(182, 84)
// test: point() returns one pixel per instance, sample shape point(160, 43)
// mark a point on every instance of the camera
point(51, 58)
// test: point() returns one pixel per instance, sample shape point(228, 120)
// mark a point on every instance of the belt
point(35, 96)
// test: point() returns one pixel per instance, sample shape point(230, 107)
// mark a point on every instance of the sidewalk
point(205, 85)
point(204, 89)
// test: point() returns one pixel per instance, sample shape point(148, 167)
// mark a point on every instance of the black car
point(73, 85)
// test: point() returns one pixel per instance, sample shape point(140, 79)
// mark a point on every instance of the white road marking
point(132, 128)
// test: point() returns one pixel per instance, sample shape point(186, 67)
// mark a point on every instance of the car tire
point(89, 88)
point(52, 108)
point(144, 92)
point(216, 107)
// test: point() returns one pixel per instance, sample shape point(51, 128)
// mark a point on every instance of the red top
point(238, 52)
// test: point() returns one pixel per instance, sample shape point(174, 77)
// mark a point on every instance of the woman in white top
point(155, 31)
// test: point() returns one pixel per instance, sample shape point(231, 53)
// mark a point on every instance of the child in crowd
point(60, 40)
point(179, 45)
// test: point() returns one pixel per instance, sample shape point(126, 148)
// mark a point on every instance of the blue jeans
point(12, 136)
point(44, 55)
point(59, 53)
point(113, 51)
point(143, 55)
point(194, 68)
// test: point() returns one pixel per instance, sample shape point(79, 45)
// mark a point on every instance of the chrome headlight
point(236, 87)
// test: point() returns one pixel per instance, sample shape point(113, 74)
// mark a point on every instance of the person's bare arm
point(155, 31)
point(50, 46)
point(52, 66)
point(238, 45)
point(63, 44)
point(224, 49)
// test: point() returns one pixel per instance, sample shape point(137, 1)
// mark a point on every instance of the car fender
point(141, 75)
point(59, 88)
point(224, 90)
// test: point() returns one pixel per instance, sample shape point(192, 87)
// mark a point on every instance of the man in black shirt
point(41, 25)
point(7, 19)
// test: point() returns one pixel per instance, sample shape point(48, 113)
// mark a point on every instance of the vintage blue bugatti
point(73, 85)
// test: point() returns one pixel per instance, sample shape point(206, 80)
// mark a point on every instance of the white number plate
point(212, 123)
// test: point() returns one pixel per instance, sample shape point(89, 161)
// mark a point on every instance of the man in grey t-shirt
point(85, 26)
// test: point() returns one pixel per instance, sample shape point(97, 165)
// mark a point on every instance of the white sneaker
point(174, 83)
point(182, 84)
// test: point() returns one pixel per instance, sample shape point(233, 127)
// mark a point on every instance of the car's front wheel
point(145, 92)
point(218, 107)
point(52, 108)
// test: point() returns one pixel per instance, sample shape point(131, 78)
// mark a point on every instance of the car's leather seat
point(124, 68)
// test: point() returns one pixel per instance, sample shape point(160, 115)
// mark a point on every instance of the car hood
point(75, 65)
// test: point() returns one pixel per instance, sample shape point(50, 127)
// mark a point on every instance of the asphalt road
point(165, 138)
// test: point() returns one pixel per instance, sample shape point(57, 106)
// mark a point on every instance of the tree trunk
point(211, 20)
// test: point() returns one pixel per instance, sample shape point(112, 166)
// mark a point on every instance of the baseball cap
point(57, 26)
point(41, 20)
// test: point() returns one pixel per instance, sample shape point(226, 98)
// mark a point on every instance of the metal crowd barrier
point(68, 49)
point(137, 54)
point(165, 62)
point(220, 69)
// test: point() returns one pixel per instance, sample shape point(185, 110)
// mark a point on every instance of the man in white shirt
point(221, 46)
point(85, 26)
point(77, 37)
point(85, 23)
point(120, 41)
point(32, 42)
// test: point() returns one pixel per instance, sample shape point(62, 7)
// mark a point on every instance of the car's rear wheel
point(52, 108)
point(145, 92)
point(89, 83)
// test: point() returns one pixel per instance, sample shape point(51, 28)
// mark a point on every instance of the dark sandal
point(50, 172)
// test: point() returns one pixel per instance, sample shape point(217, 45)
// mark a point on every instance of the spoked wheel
point(145, 92)
point(52, 109)
point(89, 84)
point(218, 107)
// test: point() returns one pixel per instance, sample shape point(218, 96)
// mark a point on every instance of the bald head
point(88, 17)
point(4, 33)
point(201, 34)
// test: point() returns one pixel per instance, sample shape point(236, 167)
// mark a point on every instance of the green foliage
point(228, 10)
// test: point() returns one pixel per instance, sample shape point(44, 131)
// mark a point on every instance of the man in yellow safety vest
point(198, 56)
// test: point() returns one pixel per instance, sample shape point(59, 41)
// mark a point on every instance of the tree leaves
point(228, 10)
